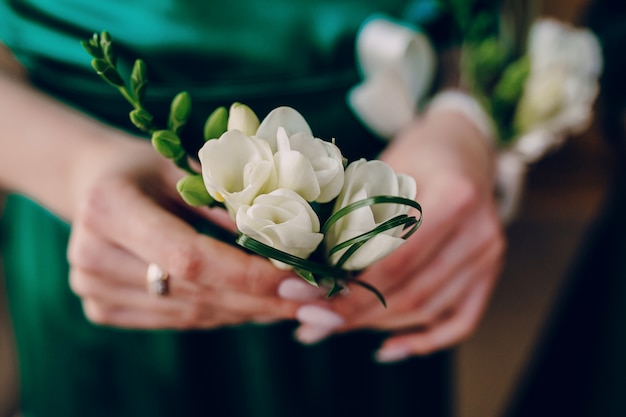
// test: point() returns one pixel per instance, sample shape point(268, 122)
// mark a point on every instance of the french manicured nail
point(319, 316)
point(298, 290)
point(309, 335)
point(392, 354)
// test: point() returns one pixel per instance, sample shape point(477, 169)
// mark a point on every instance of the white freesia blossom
point(283, 220)
point(561, 87)
point(241, 117)
point(365, 179)
point(285, 117)
point(237, 168)
point(309, 166)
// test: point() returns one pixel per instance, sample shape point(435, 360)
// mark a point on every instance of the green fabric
point(262, 53)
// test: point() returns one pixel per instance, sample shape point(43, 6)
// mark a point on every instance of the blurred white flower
point(283, 220)
point(365, 179)
point(561, 87)
point(237, 168)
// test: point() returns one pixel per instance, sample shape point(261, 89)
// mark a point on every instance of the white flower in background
point(365, 179)
point(283, 220)
point(237, 168)
point(309, 166)
point(561, 87)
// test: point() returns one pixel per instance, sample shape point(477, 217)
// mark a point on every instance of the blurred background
point(543, 243)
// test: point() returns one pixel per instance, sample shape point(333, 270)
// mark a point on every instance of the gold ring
point(157, 280)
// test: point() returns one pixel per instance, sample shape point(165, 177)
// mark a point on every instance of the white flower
point(285, 117)
point(309, 166)
point(312, 167)
point(237, 168)
point(241, 117)
point(283, 220)
point(365, 179)
point(562, 84)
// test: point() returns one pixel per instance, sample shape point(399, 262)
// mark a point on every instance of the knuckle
point(466, 193)
point(94, 207)
point(185, 262)
point(255, 278)
point(81, 253)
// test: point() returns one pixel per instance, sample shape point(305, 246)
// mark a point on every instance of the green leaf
point(373, 289)
point(335, 289)
point(294, 261)
point(380, 199)
point(307, 276)
point(355, 243)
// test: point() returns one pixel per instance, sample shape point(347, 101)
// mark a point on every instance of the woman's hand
point(438, 283)
point(119, 196)
point(128, 216)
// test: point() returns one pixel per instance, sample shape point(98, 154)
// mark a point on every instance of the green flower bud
point(192, 190)
point(216, 124)
point(93, 50)
point(168, 144)
point(241, 117)
point(180, 110)
point(107, 72)
point(139, 79)
point(141, 119)
point(106, 44)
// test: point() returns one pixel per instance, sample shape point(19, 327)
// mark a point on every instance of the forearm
point(46, 143)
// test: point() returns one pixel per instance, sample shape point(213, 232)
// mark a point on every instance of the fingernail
point(392, 354)
point(319, 316)
point(309, 335)
point(298, 290)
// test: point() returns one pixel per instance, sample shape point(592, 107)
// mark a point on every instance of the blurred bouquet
point(535, 79)
point(292, 196)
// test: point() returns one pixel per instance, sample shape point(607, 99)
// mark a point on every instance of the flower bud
point(93, 50)
point(191, 188)
point(139, 79)
point(216, 124)
point(141, 118)
point(180, 109)
point(107, 72)
point(167, 143)
point(242, 118)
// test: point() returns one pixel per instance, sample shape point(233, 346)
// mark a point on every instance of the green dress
point(263, 53)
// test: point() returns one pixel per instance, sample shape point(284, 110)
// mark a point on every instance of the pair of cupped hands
point(437, 284)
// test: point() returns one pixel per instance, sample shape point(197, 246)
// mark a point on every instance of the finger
point(111, 274)
point(133, 221)
point(443, 283)
point(390, 274)
point(186, 312)
point(131, 318)
point(441, 335)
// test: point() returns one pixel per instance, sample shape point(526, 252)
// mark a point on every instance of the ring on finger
point(157, 280)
